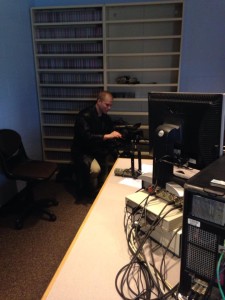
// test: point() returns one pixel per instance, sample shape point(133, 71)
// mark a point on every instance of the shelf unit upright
point(68, 48)
point(81, 50)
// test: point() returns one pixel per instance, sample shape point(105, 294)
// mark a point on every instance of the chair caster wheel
point(18, 224)
point(55, 203)
point(52, 218)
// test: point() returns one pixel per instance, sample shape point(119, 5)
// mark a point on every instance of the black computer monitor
point(186, 130)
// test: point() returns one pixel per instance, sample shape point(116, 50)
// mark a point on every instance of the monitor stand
point(132, 172)
point(185, 173)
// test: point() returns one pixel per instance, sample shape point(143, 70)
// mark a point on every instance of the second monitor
point(186, 130)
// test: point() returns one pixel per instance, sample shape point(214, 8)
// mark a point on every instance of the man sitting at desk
point(93, 153)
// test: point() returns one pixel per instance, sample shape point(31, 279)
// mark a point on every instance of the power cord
point(136, 280)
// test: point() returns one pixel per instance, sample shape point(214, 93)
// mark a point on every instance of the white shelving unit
point(81, 50)
point(142, 43)
point(68, 48)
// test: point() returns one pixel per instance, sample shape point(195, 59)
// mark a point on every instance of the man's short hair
point(101, 95)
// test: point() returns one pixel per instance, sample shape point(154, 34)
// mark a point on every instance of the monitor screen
point(185, 130)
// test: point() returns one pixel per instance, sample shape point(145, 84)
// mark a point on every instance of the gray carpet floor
point(29, 257)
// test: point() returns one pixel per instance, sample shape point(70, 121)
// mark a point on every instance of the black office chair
point(17, 166)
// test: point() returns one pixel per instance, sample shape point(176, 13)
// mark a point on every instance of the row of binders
point(68, 15)
point(71, 63)
point(70, 92)
point(60, 143)
point(58, 119)
point(71, 78)
point(65, 105)
point(70, 48)
point(92, 31)
point(53, 155)
point(58, 131)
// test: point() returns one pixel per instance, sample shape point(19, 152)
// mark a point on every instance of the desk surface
point(99, 249)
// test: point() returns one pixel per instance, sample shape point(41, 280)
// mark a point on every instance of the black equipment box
point(203, 238)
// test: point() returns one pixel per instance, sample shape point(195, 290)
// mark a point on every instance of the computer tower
point(203, 238)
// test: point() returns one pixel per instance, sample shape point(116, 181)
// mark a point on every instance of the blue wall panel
point(19, 105)
point(18, 96)
point(203, 46)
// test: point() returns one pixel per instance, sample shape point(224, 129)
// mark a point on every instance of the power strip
point(172, 192)
point(153, 208)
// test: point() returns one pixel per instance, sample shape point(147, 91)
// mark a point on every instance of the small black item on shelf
point(123, 94)
point(127, 80)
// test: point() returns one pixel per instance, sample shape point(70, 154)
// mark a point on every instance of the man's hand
point(112, 135)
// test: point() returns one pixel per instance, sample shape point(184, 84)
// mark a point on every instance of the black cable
point(169, 293)
point(139, 210)
point(167, 249)
point(152, 230)
point(137, 271)
point(129, 270)
point(127, 273)
point(135, 259)
point(152, 257)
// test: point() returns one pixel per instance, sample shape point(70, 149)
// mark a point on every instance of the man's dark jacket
point(89, 130)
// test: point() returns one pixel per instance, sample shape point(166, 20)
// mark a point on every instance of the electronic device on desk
point(173, 192)
point(203, 240)
point(185, 129)
point(146, 179)
point(170, 240)
point(131, 135)
point(129, 173)
point(167, 233)
point(153, 208)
